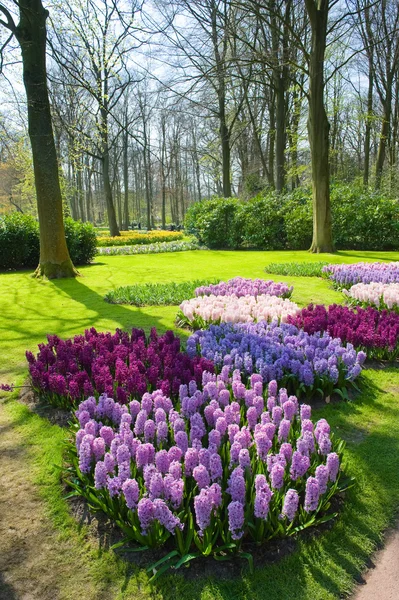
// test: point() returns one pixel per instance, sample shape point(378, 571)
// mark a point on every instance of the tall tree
point(31, 34)
point(93, 51)
point(319, 127)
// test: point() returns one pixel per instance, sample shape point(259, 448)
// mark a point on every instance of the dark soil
point(56, 416)
point(107, 534)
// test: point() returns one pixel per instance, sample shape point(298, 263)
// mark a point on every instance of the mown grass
point(322, 567)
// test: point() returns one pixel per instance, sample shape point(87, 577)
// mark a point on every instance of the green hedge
point(20, 245)
point(362, 220)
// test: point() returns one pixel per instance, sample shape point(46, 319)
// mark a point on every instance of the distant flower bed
point(375, 332)
point(301, 269)
point(149, 248)
point(120, 365)
point(154, 294)
point(306, 363)
point(132, 238)
point(381, 295)
point(225, 464)
point(240, 286)
point(344, 276)
point(203, 311)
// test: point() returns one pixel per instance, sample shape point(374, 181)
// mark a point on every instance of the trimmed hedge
point(362, 220)
point(20, 243)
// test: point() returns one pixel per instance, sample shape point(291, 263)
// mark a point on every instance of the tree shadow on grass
point(6, 590)
point(125, 316)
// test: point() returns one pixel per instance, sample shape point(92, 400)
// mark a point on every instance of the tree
point(93, 51)
point(319, 128)
point(31, 35)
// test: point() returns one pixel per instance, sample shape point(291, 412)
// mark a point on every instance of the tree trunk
point(384, 136)
point(55, 261)
point(280, 134)
point(367, 136)
point(125, 182)
point(318, 129)
point(112, 224)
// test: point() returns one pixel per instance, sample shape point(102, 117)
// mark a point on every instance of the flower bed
point(154, 294)
point(375, 332)
point(381, 295)
point(223, 465)
point(150, 248)
point(344, 276)
point(293, 269)
point(131, 238)
point(203, 311)
point(121, 365)
point(240, 286)
point(304, 363)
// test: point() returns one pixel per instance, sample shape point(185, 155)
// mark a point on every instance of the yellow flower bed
point(131, 238)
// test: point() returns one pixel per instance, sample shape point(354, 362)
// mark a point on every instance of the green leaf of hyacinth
point(186, 558)
point(162, 560)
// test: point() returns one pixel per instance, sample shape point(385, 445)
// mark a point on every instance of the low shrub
point(154, 294)
point(262, 223)
point(150, 248)
point(361, 219)
point(215, 222)
point(305, 363)
point(298, 219)
point(369, 330)
point(292, 269)
point(132, 238)
point(121, 365)
point(221, 466)
point(81, 241)
point(19, 241)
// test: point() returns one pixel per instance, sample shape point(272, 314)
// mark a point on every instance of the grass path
point(46, 555)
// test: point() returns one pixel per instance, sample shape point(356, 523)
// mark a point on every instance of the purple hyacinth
point(333, 465)
point(201, 476)
point(164, 515)
point(236, 487)
point(277, 476)
point(290, 506)
point(324, 444)
point(145, 512)
point(215, 467)
point(130, 489)
point(181, 440)
point(263, 444)
point(284, 430)
point(305, 411)
point(236, 519)
point(100, 475)
point(322, 476)
point(312, 494)
point(300, 464)
point(263, 496)
point(244, 459)
point(99, 448)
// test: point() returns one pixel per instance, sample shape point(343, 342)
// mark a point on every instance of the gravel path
point(382, 582)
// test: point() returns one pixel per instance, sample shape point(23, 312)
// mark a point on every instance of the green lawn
point(323, 567)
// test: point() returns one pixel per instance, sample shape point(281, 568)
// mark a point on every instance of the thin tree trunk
point(367, 136)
